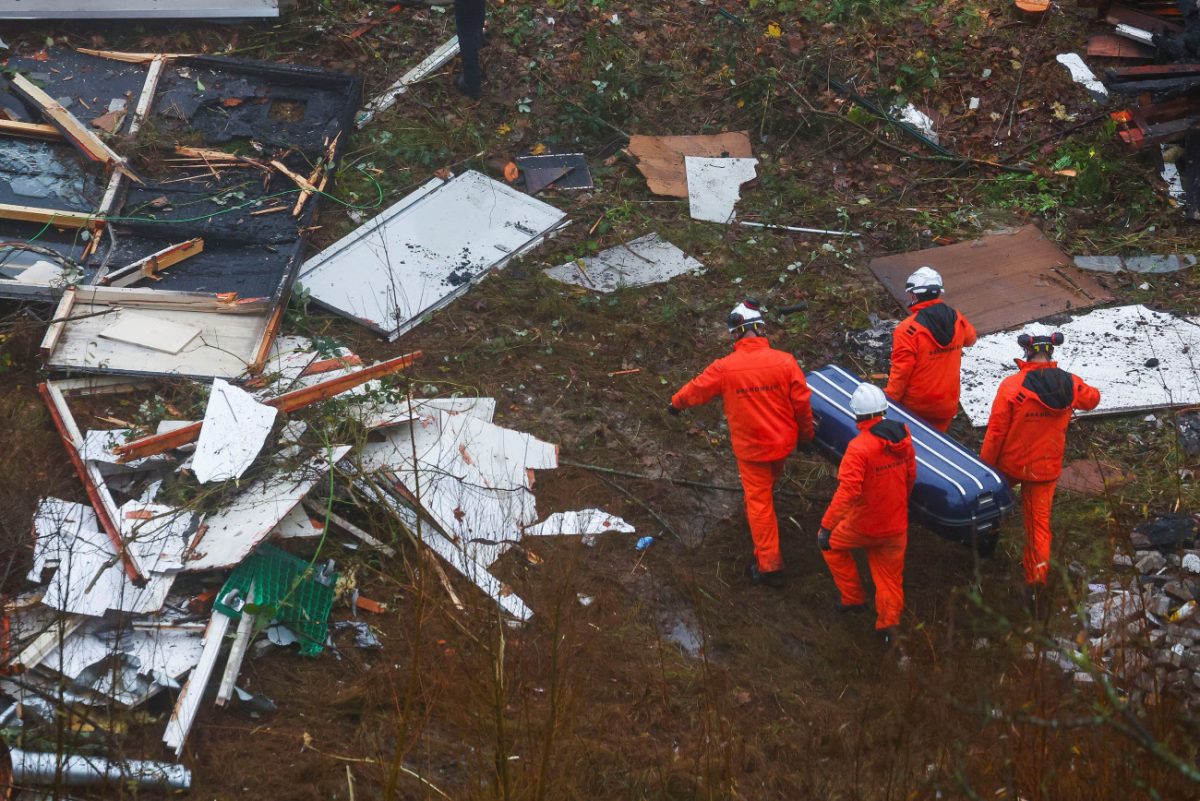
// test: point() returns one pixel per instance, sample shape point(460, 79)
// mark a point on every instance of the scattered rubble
point(649, 259)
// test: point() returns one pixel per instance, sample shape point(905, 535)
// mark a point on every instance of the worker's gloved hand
point(823, 535)
point(673, 410)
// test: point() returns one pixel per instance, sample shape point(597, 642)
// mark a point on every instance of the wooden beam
point(286, 403)
point(155, 263)
point(62, 219)
point(31, 130)
point(56, 328)
point(76, 132)
point(93, 482)
point(129, 58)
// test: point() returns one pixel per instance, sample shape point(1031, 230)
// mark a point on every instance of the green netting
point(286, 590)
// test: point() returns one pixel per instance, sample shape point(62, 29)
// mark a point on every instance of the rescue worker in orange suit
point(767, 406)
point(870, 511)
point(1026, 436)
point(927, 352)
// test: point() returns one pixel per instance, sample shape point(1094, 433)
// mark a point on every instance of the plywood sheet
point(1000, 280)
point(660, 158)
point(226, 345)
point(419, 255)
point(149, 332)
point(1138, 358)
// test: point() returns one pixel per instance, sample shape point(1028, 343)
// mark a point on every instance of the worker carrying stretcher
point(767, 405)
point(869, 511)
point(927, 352)
point(1026, 437)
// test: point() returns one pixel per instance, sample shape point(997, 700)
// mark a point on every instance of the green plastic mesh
point(285, 587)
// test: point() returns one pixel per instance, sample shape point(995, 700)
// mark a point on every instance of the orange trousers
point(885, 557)
point(1037, 500)
point(758, 490)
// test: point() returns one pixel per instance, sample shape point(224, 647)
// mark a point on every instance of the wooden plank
point(129, 58)
point(93, 482)
point(188, 703)
point(1109, 45)
point(348, 527)
point(61, 219)
point(30, 130)
point(155, 263)
point(55, 330)
point(286, 403)
point(237, 651)
point(45, 643)
point(76, 132)
point(1120, 15)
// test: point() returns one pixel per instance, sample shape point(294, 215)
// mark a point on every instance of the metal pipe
point(77, 770)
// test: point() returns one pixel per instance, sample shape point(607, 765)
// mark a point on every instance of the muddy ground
point(680, 679)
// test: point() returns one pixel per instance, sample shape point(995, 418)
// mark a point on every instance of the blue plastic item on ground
point(956, 495)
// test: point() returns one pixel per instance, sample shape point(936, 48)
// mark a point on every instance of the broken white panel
point(649, 259)
point(127, 665)
point(57, 525)
point(90, 578)
point(289, 357)
point(585, 523)
point(296, 524)
point(235, 428)
point(1136, 264)
point(471, 476)
point(918, 119)
point(157, 534)
point(392, 272)
point(715, 186)
point(457, 556)
point(98, 447)
point(227, 536)
point(150, 332)
point(483, 408)
point(1138, 359)
point(1170, 172)
point(1083, 76)
point(429, 65)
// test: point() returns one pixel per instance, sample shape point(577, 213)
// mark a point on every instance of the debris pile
point(201, 496)
point(1144, 634)
point(1163, 96)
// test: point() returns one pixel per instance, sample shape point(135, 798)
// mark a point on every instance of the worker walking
point(468, 24)
point(766, 402)
point(927, 352)
point(1026, 436)
point(870, 511)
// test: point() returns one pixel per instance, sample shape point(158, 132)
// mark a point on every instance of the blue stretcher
point(956, 495)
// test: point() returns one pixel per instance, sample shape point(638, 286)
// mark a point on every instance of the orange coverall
point(926, 361)
point(767, 406)
point(870, 511)
point(1026, 437)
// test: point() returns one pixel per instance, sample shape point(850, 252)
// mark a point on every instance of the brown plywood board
point(1089, 477)
point(1001, 280)
point(660, 158)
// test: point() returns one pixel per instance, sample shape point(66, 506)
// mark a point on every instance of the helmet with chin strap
point(1040, 343)
point(746, 315)
point(924, 284)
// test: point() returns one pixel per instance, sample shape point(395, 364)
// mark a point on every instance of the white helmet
point(868, 400)
point(925, 281)
point(746, 313)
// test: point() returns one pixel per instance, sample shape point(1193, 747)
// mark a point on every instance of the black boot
point(773, 578)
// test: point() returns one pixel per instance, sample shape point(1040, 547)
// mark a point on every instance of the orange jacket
point(765, 395)
point(926, 359)
point(875, 478)
point(1027, 431)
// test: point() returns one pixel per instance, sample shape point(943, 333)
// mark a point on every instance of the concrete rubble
point(1141, 630)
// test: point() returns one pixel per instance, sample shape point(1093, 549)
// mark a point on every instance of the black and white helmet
point(746, 314)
